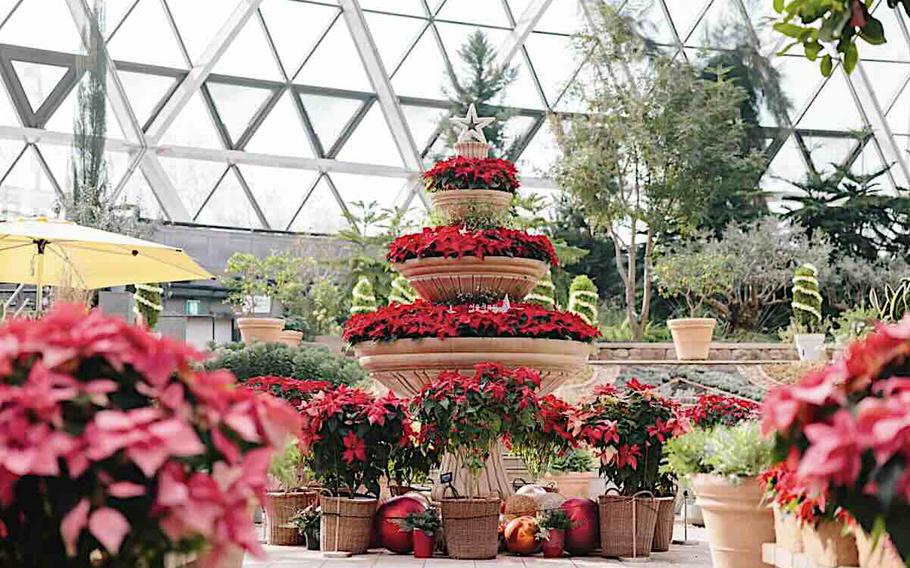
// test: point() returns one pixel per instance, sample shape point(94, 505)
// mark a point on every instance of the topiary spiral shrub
point(583, 299)
point(807, 301)
point(402, 291)
point(543, 294)
point(363, 300)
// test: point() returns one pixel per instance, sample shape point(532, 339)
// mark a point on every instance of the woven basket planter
point(828, 546)
point(787, 532)
point(459, 204)
point(663, 528)
point(471, 527)
point(346, 523)
point(445, 279)
point(627, 526)
point(279, 508)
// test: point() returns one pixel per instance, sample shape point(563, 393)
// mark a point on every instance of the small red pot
point(553, 547)
point(423, 544)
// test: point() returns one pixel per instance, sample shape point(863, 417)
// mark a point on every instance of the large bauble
point(584, 536)
point(521, 535)
point(385, 524)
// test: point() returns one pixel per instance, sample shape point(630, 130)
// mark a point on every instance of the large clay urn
point(447, 279)
point(737, 519)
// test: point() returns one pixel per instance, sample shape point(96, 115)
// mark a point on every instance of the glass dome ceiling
point(277, 114)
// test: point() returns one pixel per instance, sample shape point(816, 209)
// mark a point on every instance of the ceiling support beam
point(190, 85)
point(883, 137)
point(524, 24)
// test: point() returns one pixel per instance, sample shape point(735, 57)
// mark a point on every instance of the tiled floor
point(692, 555)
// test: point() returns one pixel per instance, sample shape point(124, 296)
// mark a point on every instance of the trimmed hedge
point(263, 359)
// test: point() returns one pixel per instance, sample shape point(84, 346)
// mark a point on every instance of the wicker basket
point(346, 523)
point(471, 527)
point(279, 508)
point(627, 526)
point(663, 529)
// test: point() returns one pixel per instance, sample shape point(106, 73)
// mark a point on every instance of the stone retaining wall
point(719, 352)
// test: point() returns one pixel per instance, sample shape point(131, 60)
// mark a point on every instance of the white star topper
point(472, 126)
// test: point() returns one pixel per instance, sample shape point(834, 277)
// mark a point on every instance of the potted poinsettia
point(467, 416)
point(843, 427)
point(548, 440)
point(463, 186)
point(118, 451)
point(348, 437)
point(627, 430)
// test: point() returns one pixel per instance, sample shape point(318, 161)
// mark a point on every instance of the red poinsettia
point(423, 319)
point(845, 430)
point(551, 437)
point(287, 388)
point(460, 172)
point(714, 409)
point(785, 490)
point(454, 241)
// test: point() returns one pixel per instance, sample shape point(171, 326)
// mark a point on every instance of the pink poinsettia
point(104, 428)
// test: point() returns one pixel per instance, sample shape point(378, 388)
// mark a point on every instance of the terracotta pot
point(290, 338)
point(828, 546)
point(737, 520)
point(663, 529)
point(445, 279)
point(346, 523)
point(458, 204)
point(876, 555)
point(406, 365)
point(423, 544)
point(787, 531)
point(553, 546)
point(266, 330)
point(573, 485)
point(810, 346)
point(626, 525)
point(692, 337)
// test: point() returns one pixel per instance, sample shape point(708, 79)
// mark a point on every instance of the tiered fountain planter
point(447, 279)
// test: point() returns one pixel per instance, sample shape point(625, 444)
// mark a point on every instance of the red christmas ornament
point(521, 535)
point(385, 526)
point(584, 536)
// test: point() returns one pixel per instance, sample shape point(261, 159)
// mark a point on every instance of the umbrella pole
point(39, 301)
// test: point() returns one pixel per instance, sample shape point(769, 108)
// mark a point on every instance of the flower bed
point(472, 173)
point(453, 241)
point(422, 319)
point(714, 409)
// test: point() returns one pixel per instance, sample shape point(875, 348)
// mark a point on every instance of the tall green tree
point(646, 158)
point(483, 82)
point(90, 201)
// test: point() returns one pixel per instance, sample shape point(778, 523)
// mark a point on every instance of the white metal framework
point(278, 114)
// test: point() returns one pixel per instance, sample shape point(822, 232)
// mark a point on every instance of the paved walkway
point(693, 555)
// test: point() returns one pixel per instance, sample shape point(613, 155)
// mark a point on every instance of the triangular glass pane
point(64, 117)
point(899, 115)
point(27, 190)
point(137, 193)
point(9, 149)
point(895, 49)
point(278, 191)
point(281, 132)
point(423, 122)
point(583, 82)
point(237, 105)
point(408, 7)
point(8, 115)
point(229, 206)
point(416, 214)
point(198, 22)
point(869, 162)
point(5, 7)
point(336, 63)
point(515, 130)
point(38, 80)
point(564, 17)
point(193, 126)
point(763, 16)
point(114, 13)
point(834, 108)
point(825, 152)
point(249, 55)
point(540, 154)
point(723, 26)
point(785, 167)
point(371, 142)
point(44, 24)
point(554, 62)
point(59, 160)
point(685, 13)
point(522, 92)
point(651, 21)
point(321, 213)
point(799, 79)
point(329, 115)
point(422, 74)
point(393, 36)
point(888, 78)
point(470, 11)
point(295, 28)
point(146, 36)
point(145, 92)
point(193, 179)
point(387, 192)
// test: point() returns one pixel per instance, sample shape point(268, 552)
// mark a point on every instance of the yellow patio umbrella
point(43, 252)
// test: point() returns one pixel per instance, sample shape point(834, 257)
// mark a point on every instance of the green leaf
point(778, 5)
point(789, 30)
point(873, 32)
point(812, 50)
point(851, 57)
point(827, 65)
